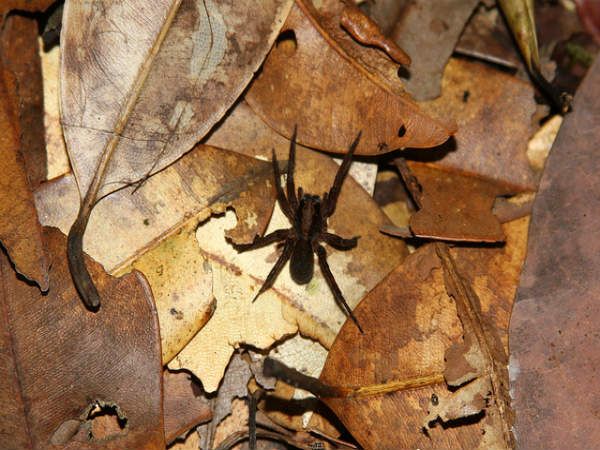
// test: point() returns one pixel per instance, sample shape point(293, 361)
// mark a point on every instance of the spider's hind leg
point(337, 293)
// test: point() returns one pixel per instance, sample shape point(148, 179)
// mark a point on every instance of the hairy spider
point(308, 215)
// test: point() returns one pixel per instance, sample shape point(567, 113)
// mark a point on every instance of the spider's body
point(308, 215)
point(308, 226)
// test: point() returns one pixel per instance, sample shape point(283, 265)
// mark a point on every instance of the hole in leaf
point(106, 421)
point(402, 131)
point(286, 43)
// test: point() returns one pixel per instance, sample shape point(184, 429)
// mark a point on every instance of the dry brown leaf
point(428, 30)
point(120, 121)
point(310, 80)
point(455, 206)
point(419, 322)
point(474, 94)
point(487, 37)
point(19, 51)
point(554, 327)
point(62, 361)
point(24, 5)
point(20, 231)
point(183, 407)
point(330, 15)
point(164, 213)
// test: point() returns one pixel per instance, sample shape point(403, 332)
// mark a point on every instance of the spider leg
point(283, 202)
point(339, 242)
point(334, 192)
point(322, 255)
point(285, 255)
point(290, 187)
point(261, 241)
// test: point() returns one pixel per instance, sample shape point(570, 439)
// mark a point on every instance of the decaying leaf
point(420, 323)
point(428, 30)
point(480, 357)
point(62, 363)
point(474, 94)
point(311, 81)
point(234, 385)
point(486, 37)
point(120, 121)
point(183, 407)
point(553, 331)
point(19, 51)
point(24, 5)
point(164, 212)
point(455, 206)
point(341, 23)
point(58, 161)
point(20, 231)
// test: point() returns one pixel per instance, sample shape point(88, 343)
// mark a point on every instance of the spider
point(308, 215)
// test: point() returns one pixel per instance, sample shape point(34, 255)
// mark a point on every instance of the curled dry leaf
point(331, 96)
point(20, 231)
point(111, 359)
point(120, 122)
point(554, 331)
point(164, 212)
point(287, 307)
point(455, 206)
point(428, 30)
point(342, 22)
point(365, 31)
point(421, 322)
point(474, 94)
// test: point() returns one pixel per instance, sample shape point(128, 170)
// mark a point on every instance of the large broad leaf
point(407, 356)
point(60, 363)
point(142, 81)
point(554, 327)
point(309, 79)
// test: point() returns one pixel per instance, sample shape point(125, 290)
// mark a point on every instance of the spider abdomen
point(302, 264)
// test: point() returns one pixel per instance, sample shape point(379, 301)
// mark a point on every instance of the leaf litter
point(437, 347)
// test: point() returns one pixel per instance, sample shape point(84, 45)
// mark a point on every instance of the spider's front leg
point(261, 241)
point(329, 201)
point(283, 258)
point(337, 293)
point(339, 242)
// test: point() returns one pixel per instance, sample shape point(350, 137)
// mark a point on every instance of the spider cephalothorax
point(308, 215)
